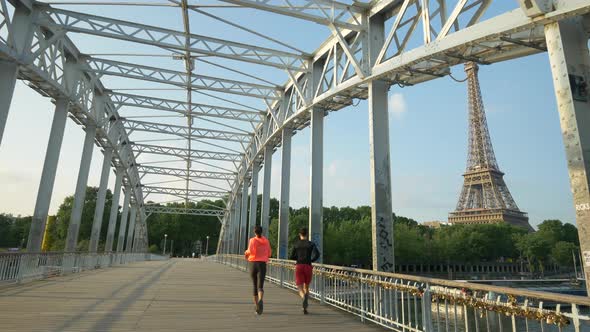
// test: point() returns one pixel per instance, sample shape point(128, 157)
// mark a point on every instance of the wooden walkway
point(176, 295)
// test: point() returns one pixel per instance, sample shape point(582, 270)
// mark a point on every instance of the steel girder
point(180, 107)
point(185, 154)
point(183, 193)
point(151, 209)
point(51, 66)
point(186, 132)
point(166, 76)
point(168, 39)
point(490, 41)
point(183, 173)
point(319, 11)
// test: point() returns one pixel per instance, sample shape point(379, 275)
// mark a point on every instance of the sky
point(428, 132)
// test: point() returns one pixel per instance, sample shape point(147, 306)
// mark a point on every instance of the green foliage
point(14, 231)
point(154, 249)
point(185, 230)
point(563, 253)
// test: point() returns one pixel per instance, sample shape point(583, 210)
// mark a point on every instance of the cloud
point(333, 168)
point(397, 104)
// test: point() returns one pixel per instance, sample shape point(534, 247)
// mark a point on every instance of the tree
point(535, 247)
point(563, 253)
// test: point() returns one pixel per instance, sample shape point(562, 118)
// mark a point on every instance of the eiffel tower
point(485, 198)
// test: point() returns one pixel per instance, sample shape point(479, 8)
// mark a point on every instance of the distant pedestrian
point(304, 252)
point(258, 254)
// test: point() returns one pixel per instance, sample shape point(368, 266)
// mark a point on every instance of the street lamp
point(165, 237)
point(207, 247)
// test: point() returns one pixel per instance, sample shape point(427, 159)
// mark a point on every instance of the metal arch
point(196, 109)
point(155, 209)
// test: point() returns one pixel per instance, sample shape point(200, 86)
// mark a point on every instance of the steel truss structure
point(242, 118)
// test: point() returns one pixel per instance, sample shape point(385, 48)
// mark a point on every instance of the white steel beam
point(316, 181)
point(114, 211)
point(186, 132)
point(80, 193)
point(123, 224)
point(168, 39)
point(45, 191)
point(131, 230)
point(265, 209)
point(243, 238)
point(185, 154)
point(102, 67)
point(8, 75)
point(182, 193)
point(184, 108)
point(283, 229)
point(567, 44)
point(159, 209)
point(100, 200)
point(253, 200)
point(319, 11)
point(182, 173)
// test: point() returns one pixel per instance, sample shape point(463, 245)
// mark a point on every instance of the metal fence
point(411, 303)
point(21, 267)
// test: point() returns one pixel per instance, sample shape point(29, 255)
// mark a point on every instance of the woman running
point(258, 254)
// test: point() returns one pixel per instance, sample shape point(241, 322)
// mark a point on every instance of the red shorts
point(303, 274)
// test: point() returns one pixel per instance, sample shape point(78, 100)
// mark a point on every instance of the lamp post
point(207, 247)
point(165, 237)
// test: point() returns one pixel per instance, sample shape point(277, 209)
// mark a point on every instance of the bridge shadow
point(103, 324)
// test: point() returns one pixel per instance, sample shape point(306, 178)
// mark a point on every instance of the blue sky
point(428, 130)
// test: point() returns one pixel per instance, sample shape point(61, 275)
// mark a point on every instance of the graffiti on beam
point(386, 245)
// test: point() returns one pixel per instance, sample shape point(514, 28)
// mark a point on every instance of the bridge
point(216, 123)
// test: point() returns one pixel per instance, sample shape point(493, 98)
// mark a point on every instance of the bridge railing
point(411, 303)
point(20, 267)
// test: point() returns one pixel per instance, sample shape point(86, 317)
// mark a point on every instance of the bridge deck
point(177, 295)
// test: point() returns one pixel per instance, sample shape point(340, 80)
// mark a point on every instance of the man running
point(304, 252)
point(257, 254)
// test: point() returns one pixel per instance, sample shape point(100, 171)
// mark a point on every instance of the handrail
point(26, 266)
point(412, 303)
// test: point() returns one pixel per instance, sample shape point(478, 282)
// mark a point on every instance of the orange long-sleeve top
point(258, 250)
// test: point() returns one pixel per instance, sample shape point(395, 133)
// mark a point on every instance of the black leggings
point(257, 273)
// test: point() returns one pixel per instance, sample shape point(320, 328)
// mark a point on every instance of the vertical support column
point(283, 231)
point(131, 230)
point(138, 233)
point(80, 194)
point(253, 200)
point(8, 75)
point(244, 218)
point(48, 175)
point(123, 225)
point(100, 200)
point(567, 44)
point(381, 213)
point(237, 218)
point(265, 213)
point(316, 180)
point(114, 211)
point(380, 168)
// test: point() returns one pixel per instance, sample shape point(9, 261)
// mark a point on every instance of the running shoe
point(305, 302)
point(260, 307)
